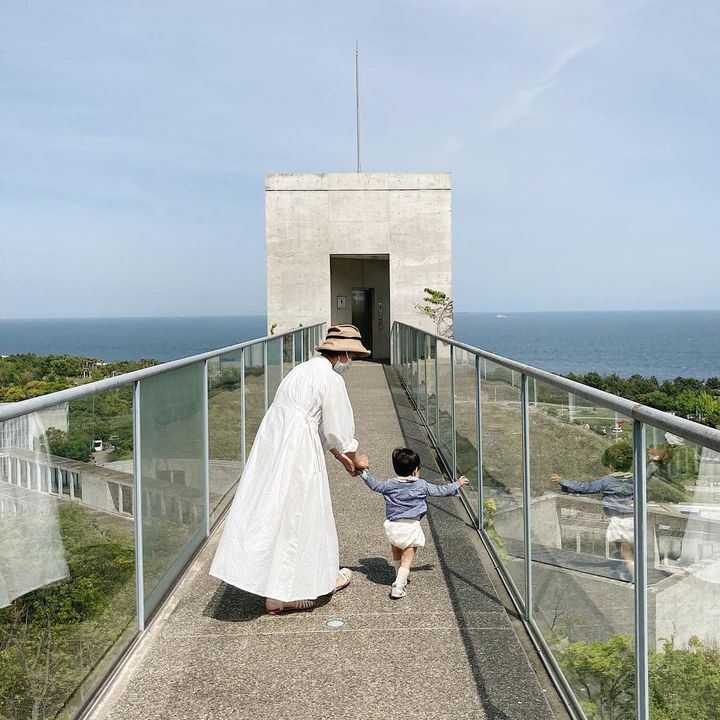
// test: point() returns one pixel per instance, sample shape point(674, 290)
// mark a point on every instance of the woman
point(279, 540)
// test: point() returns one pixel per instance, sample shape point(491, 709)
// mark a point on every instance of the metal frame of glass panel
point(403, 360)
point(144, 609)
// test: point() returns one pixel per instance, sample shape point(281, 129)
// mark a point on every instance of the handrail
point(701, 434)
point(42, 402)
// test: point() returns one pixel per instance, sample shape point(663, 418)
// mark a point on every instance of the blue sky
point(582, 136)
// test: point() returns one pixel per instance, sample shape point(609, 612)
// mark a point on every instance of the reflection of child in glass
point(618, 492)
point(405, 506)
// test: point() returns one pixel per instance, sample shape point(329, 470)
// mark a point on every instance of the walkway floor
point(448, 650)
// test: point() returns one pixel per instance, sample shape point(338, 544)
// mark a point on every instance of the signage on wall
point(341, 302)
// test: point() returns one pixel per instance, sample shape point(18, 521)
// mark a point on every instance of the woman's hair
point(405, 461)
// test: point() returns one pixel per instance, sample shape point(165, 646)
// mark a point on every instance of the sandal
point(293, 606)
point(347, 574)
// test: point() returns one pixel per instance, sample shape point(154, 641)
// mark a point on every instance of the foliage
point(439, 308)
point(618, 456)
point(51, 637)
point(688, 397)
point(28, 375)
point(71, 446)
point(684, 682)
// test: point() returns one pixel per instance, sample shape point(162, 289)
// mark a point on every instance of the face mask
point(343, 367)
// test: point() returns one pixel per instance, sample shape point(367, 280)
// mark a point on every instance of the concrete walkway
point(448, 650)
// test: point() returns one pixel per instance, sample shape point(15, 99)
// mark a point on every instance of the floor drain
point(335, 623)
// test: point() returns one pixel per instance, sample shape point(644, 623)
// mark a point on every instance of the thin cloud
point(522, 102)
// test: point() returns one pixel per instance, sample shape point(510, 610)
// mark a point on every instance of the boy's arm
point(442, 490)
point(579, 487)
point(371, 482)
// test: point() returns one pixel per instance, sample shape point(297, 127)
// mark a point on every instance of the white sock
point(402, 576)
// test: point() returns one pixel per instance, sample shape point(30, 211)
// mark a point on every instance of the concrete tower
point(356, 248)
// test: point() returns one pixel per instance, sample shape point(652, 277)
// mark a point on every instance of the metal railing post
point(641, 623)
point(526, 495)
point(265, 373)
point(478, 426)
point(137, 510)
point(453, 443)
point(293, 350)
point(243, 438)
point(206, 447)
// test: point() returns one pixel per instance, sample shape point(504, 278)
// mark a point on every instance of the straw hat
point(344, 338)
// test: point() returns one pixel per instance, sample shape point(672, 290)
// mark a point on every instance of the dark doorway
point(362, 305)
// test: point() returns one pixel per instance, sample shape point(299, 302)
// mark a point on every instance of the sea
point(666, 344)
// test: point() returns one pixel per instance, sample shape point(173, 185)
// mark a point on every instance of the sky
point(582, 138)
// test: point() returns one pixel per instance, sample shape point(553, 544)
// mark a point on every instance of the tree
point(439, 308)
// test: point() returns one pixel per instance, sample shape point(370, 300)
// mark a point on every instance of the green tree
point(439, 308)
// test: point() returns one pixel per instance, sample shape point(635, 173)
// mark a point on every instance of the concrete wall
point(310, 217)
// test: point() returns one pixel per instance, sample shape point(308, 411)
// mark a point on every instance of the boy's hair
point(405, 461)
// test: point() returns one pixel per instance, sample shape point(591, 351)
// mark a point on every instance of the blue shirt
point(617, 490)
point(405, 497)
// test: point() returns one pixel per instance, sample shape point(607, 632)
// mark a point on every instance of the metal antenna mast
point(357, 103)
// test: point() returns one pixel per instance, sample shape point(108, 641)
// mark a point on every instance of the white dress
point(279, 539)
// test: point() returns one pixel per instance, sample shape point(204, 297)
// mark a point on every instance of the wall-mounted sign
point(341, 302)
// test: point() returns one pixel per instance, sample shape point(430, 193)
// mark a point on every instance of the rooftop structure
point(356, 248)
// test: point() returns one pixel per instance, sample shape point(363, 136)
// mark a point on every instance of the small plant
point(273, 327)
point(439, 308)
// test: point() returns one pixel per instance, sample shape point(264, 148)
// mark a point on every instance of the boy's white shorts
point(621, 529)
point(404, 533)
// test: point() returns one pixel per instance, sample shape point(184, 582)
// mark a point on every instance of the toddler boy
point(405, 506)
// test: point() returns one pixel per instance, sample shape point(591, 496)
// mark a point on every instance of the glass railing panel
point(224, 429)
point(300, 354)
point(502, 468)
point(287, 354)
point(405, 354)
point(430, 364)
point(444, 393)
point(274, 366)
point(422, 374)
point(683, 576)
point(581, 519)
point(308, 349)
point(172, 432)
point(67, 552)
point(254, 393)
point(466, 421)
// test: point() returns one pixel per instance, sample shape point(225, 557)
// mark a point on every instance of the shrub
point(619, 456)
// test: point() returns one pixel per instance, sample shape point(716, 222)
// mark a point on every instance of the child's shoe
point(397, 592)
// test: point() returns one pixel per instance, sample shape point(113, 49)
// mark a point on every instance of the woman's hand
point(347, 460)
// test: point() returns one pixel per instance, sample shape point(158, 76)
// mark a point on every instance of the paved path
point(448, 650)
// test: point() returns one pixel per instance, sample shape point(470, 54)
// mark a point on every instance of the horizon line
point(259, 315)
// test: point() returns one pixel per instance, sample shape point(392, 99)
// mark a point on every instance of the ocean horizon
point(663, 343)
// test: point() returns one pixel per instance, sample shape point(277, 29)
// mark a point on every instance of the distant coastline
point(665, 344)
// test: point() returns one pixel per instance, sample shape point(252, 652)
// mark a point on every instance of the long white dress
point(279, 539)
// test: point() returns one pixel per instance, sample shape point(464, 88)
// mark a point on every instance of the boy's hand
point(361, 461)
point(555, 478)
point(463, 480)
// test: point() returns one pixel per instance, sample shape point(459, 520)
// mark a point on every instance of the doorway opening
point(360, 295)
